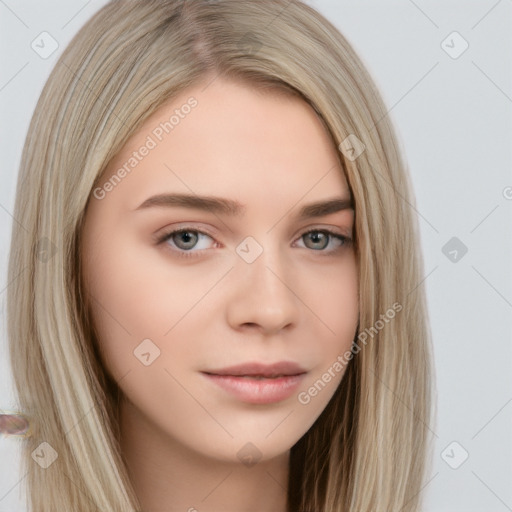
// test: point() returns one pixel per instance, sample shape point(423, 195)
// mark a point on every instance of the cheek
point(136, 294)
point(119, 290)
point(335, 301)
point(336, 306)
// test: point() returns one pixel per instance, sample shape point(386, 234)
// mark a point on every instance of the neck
point(169, 476)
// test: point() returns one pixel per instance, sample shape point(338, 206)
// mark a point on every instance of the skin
point(298, 301)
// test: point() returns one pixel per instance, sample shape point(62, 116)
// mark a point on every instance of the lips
point(269, 371)
point(257, 383)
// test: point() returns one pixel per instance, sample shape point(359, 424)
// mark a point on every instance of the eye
point(182, 242)
point(185, 239)
point(319, 240)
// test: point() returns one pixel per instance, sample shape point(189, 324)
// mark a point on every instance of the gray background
point(453, 116)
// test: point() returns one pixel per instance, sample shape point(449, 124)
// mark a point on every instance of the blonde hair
point(369, 448)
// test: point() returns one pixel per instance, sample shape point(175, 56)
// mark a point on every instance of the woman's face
point(258, 276)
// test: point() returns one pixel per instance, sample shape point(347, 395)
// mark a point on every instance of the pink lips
point(258, 383)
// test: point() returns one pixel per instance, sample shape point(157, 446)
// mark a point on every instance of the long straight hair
point(369, 449)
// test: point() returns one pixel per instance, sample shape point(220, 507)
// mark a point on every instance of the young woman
point(217, 302)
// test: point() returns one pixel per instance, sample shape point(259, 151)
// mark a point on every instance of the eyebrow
point(218, 205)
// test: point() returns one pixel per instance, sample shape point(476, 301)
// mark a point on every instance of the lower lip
point(258, 391)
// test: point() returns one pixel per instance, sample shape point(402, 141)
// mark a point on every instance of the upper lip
point(257, 369)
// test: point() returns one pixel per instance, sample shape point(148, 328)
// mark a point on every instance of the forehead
point(229, 138)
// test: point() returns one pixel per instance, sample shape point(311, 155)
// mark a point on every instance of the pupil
point(186, 237)
point(317, 237)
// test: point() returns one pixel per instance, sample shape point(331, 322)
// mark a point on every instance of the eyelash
point(346, 241)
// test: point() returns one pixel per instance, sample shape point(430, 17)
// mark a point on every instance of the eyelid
point(164, 233)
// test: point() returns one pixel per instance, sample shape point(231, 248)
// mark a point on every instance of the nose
point(263, 299)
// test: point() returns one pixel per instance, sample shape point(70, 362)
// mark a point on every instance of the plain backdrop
point(444, 70)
